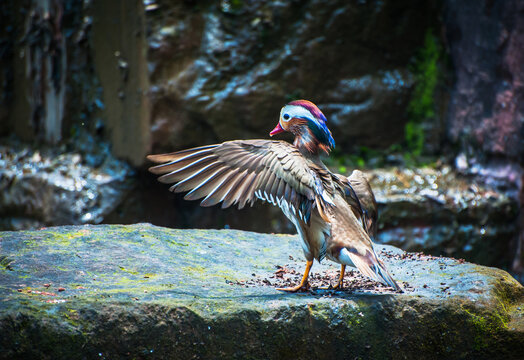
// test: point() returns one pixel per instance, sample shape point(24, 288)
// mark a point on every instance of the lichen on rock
point(117, 291)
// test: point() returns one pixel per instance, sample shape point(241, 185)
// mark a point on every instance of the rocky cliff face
point(486, 113)
point(486, 44)
point(222, 71)
point(442, 213)
point(48, 186)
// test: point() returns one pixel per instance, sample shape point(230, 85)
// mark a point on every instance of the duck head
point(304, 119)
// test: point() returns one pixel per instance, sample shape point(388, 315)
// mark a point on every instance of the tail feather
point(369, 265)
point(383, 272)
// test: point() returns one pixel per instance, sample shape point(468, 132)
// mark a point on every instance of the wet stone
point(438, 211)
point(48, 186)
point(139, 291)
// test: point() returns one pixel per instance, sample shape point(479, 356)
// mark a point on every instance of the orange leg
point(304, 283)
point(341, 278)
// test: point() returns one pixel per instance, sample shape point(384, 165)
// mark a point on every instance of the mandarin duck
point(335, 216)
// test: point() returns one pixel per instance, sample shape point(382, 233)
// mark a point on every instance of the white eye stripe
point(294, 111)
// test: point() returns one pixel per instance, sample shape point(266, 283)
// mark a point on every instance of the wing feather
point(360, 197)
point(247, 193)
point(186, 171)
point(204, 188)
point(280, 189)
point(269, 184)
point(221, 189)
point(175, 156)
point(367, 200)
point(196, 178)
point(229, 198)
point(236, 194)
point(179, 162)
point(232, 172)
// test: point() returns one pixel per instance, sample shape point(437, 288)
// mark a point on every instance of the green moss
point(196, 269)
point(191, 291)
point(359, 158)
point(487, 325)
point(367, 158)
point(422, 105)
point(124, 281)
point(421, 109)
point(52, 238)
point(150, 275)
point(505, 289)
point(71, 316)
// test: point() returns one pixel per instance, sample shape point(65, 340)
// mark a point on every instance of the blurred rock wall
point(486, 44)
point(222, 70)
point(34, 60)
point(120, 60)
point(52, 98)
point(199, 72)
point(486, 112)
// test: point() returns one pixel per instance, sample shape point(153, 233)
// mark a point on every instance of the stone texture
point(442, 213)
point(486, 43)
point(222, 71)
point(54, 186)
point(147, 292)
point(486, 112)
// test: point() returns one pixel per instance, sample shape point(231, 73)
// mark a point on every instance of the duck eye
point(286, 116)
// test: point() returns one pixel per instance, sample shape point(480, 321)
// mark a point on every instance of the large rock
point(147, 292)
point(223, 71)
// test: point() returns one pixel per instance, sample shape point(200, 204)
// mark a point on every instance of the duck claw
point(299, 287)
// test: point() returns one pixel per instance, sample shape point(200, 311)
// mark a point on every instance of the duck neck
point(308, 144)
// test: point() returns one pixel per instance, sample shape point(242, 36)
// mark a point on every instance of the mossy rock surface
point(140, 291)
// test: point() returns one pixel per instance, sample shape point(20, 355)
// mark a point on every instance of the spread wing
point(239, 172)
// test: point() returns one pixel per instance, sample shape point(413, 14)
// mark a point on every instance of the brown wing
point(367, 200)
point(239, 172)
point(360, 197)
